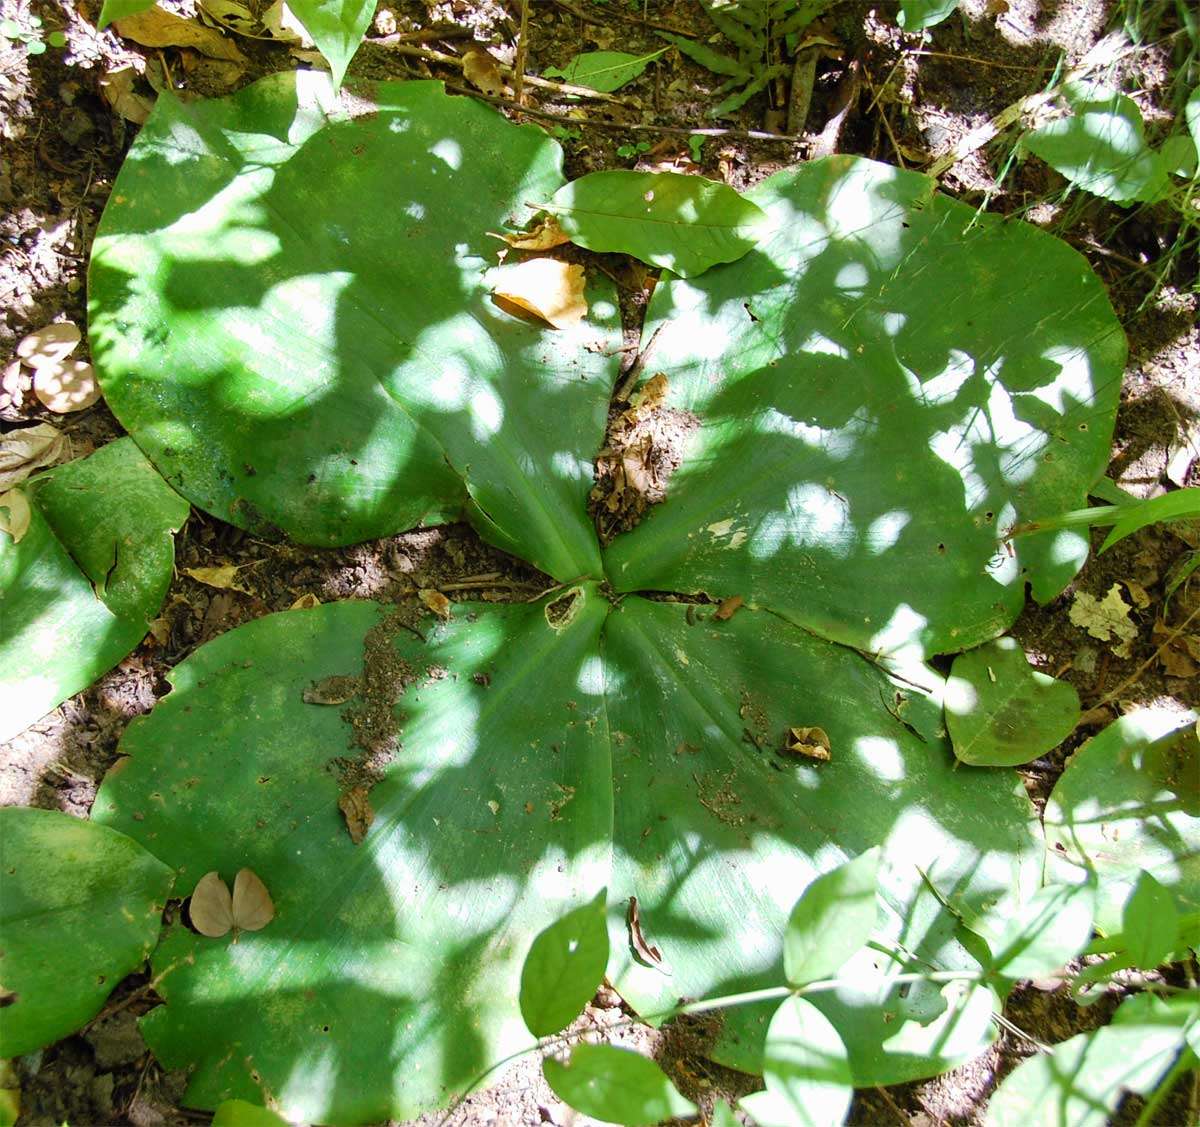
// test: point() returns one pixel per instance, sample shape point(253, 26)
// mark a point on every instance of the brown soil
point(907, 99)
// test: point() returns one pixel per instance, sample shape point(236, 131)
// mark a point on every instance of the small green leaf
point(1001, 712)
point(80, 907)
point(916, 15)
point(832, 920)
point(239, 1113)
point(1179, 155)
point(616, 1085)
point(1041, 935)
point(806, 1069)
point(1150, 924)
point(1191, 115)
point(1101, 146)
point(10, 29)
point(708, 58)
point(605, 71)
point(119, 9)
point(722, 1116)
point(1181, 504)
point(683, 223)
point(35, 47)
point(56, 39)
point(337, 28)
point(564, 966)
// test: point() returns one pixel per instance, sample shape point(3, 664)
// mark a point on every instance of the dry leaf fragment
point(331, 690)
point(545, 236)
point(728, 608)
point(1177, 653)
point(435, 601)
point(65, 387)
point(213, 911)
point(305, 602)
point(50, 344)
point(482, 72)
point(14, 514)
point(119, 90)
point(356, 809)
point(651, 395)
point(222, 578)
point(549, 289)
point(1137, 593)
point(1106, 619)
point(23, 451)
point(812, 743)
point(156, 27)
point(642, 947)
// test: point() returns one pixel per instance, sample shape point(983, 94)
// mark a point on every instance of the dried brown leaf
point(223, 578)
point(331, 690)
point(29, 449)
point(119, 90)
point(253, 908)
point(549, 289)
point(435, 601)
point(642, 947)
point(49, 345)
point(156, 27)
point(545, 236)
point(482, 72)
point(66, 387)
point(812, 743)
point(305, 602)
point(1106, 619)
point(211, 907)
point(356, 809)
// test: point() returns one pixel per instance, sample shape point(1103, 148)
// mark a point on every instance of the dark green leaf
point(1001, 712)
point(605, 71)
point(1180, 504)
point(832, 919)
point(239, 1113)
point(80, 907)
point(337, 28)
point(809, 1083)
point(1179, 155)
point(708, 58)
point(683, 223)
point(565, 964)
point(1150, 923)
point(119, 9)
point(616, 1085)
point(916, 15)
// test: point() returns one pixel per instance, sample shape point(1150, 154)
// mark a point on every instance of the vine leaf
point(616, 1086)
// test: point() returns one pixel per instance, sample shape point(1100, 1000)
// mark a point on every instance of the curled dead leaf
point(331, 690)
point(546, 235)
point(306, 602)
point(651, 395)
point(549, 289)
point(812, 743)
point(29, 449)
point(223, 578)
point(482, 72)
point(156, 27)
point(355, 806)
point(66, 387)
point(49, 345)
point(435, 601)
point(119, 88)
point(728, 608)
point(1106, 619)
point(642, 947)
point(14, 514)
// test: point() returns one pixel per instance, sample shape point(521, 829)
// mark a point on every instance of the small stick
point(1109, 697)
point(804, 74)
point(519, 61)
point(635, 369)
point(887, 125)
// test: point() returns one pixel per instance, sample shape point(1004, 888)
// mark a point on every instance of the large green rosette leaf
point(884, 386)
point(509, 801)
point(290, 313)
point(78, 591)
point(718, 834)
point(389, 977)
point(80, 907)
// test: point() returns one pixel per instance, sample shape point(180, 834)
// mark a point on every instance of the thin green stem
point(1183, 1063)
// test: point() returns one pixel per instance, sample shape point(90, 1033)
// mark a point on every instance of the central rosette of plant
point(292, 313)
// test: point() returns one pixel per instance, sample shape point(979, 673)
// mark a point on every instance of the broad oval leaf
point(916, 15)
point(1040, 936)
point(564, 966)
point(1128, 803)
point(290, 365)
point(1149, 923)
point(99, 537)
point(616, 1086)
point(808, 1077)
point(864, 445)
point(1082, 1080)
point(685, 224)
point(80, 907)
point(605, 71)
point(832, 919)
point(1101, 146)
point(1001, 712)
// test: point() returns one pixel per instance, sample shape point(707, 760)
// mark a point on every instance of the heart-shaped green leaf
point(832, 920)
point(1001, 712)
point(564, 966)
point(290, 364)
point(685, 224)
point(80, 907)
point(99, 538)
point(1149, 923)
point(616, 1086)
point(337, 28)
point(605, 71)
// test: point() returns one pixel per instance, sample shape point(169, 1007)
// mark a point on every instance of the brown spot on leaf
point(355, 805)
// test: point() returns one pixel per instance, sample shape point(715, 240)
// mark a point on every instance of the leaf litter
point(32, 448)
point(548, 288)
point(214, 912)
point(1106, 619)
